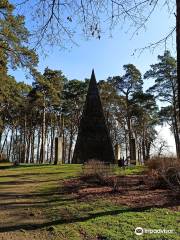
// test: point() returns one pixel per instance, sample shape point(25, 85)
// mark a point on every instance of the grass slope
point(35, 205)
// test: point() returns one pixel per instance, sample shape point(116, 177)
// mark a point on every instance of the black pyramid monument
point(93, 141)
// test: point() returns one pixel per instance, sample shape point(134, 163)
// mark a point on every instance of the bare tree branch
point(156, 44)
point(64, 19)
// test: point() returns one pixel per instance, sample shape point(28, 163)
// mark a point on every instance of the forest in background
point(31, 116)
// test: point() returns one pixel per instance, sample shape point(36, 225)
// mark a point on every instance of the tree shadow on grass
point(31, 174)
point(2, 167)
point(25, 181)
point(28, 227)
point(35, 203)
point(71, 220)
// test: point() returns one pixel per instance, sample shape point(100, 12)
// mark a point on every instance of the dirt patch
point(132, 192)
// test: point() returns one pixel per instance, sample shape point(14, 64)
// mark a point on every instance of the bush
point(164, 172)
point(162, 163)
point(96, 170)
point(101, 173)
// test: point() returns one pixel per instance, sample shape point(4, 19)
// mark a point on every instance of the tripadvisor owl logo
point(139, 231)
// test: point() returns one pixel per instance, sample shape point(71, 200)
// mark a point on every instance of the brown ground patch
point(23, 210)
point(132, 192)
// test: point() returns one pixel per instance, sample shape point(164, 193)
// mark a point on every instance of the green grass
point(109, 221)
point(129, 170)
point(71, 218)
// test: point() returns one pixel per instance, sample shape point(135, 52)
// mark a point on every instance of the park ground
point(54, 203)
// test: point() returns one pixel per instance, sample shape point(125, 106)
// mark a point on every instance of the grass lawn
point(48, 202)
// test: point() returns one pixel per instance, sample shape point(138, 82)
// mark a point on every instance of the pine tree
point(166, 88)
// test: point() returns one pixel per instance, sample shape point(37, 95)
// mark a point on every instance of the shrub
point(101, 173)
point(157, 163)
point(96, 170)
point(164, 172)
point(114, 184)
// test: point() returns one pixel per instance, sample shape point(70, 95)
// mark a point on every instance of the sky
point(108, 55)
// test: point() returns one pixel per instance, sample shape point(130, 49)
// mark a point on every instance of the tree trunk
point(10, 145)
point(143, 150)
point(47, 147)
point(24, 140)
point(178, 58)
point(129, 135)
point(70, 141)
point(70, 148)
point(5, 140)
point(148, 148)
point(42, 155)
point(63, 142)
point(48, 143)
point(32, 147)
point(64, 147)
point(16, 147)
point(175, 130)
point(0, 138)
point(38, 146)
point(52, 143)
point(28, 147)
point(126, 145)
point(20, 144)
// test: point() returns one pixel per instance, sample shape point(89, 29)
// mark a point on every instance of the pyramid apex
point(93, 84)
point(93, 74)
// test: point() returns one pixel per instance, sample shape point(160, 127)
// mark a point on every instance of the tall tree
point(145, 119)
point(112, 105)
point(127, 85)
point(166, 88)
point(46, 95)
point(178, 56)
point(14, 39)
point(73, 100)
point(14, 52)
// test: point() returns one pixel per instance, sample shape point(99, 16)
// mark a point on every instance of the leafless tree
point(161, 147)
point(58, 21)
